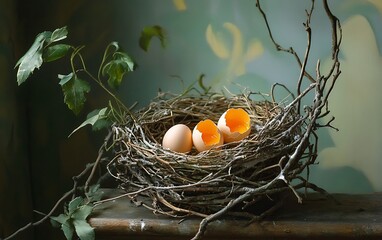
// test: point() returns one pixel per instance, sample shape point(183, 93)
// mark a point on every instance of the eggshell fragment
point(206, 135)
point(178, 139)
point(234, 124)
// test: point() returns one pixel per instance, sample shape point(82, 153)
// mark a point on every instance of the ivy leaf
point(148, 33)
point(74, 204)
point(93, 118)
point(59, 220)
point(94, 194)
point(82, 212)
point(74, 90)
point(58, 34)
point(68, 229)
point(117, 67)
point(84, 230)
point(32, 59)
point(93, 189)
point(55, 52)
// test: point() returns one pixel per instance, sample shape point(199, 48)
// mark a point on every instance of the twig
point(62, 199)
point(278, 46)
point(334, 21)
point(33, 224)
point(96, 163)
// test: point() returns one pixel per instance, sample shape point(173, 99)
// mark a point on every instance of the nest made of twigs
point(203, 183)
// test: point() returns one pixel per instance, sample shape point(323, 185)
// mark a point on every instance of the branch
point(33, 224)
point(278, 46)
point(334, 22)
point(88, 167)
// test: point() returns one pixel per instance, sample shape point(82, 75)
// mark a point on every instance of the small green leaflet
point(82, 212)
point(148, 33)
point(94, 193)
point(117, 67)
point(84, 230)
point(64, 222)
point(60, 219)
point(102, 119)
point(55, 52)
point(93, 118)
point(33, 59)
point(75, 220)
point(68, 229)
point(74, 90)
point(74, 204)
point(58, 34)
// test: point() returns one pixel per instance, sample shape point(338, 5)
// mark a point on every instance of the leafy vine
point(115, 64)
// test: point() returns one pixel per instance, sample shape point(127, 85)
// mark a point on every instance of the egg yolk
point(210, 133)
point(237, 120)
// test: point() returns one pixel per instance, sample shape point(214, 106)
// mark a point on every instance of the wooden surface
point(356, 217)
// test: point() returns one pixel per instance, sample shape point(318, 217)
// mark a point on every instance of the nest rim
point(188, 183)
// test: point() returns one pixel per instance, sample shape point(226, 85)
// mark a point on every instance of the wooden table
point(356, 217)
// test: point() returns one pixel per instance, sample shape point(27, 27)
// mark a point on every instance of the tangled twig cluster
point(201, 183)
point(234, 179)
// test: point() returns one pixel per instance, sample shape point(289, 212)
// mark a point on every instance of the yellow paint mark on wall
point(355, 103)
point(377, 4)
point(235, 54)
point(180, 5)
point(216, 43)
point(254, 50)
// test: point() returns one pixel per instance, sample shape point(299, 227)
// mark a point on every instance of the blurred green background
point(225, 40)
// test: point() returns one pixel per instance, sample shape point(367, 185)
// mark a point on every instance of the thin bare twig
point(65, 196)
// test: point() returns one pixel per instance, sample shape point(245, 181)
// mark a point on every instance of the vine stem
point(76, 52)
point(91, 166)
point(33, 224)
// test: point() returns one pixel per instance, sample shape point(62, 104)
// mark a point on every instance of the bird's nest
point(203, 183)
point(246, 178)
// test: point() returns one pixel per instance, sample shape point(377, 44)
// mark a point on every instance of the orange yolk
point(237, 120)
point(210, 133)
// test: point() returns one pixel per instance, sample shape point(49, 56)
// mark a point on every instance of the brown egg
point(178, 139)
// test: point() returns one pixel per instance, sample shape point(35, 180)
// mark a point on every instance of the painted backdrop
point(225, 40)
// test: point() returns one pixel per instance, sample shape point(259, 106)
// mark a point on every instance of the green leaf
point(59, 34)
point(82, 212)
point(74, 90)
point(148, 33)
point(32, 59)
point(59, 220)
point(65, 78)
point(55, 52)
point(94, 194)
point(68, 229)
point(93, 118)
point(117, 67)
point(84, 230)
point(93, 189)
point(103, 120)
point(74, 204)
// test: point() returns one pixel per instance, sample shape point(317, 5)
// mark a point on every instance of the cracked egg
point(206, 135)
point(234, 124)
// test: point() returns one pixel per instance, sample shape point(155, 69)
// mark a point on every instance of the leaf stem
point(76, 52)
